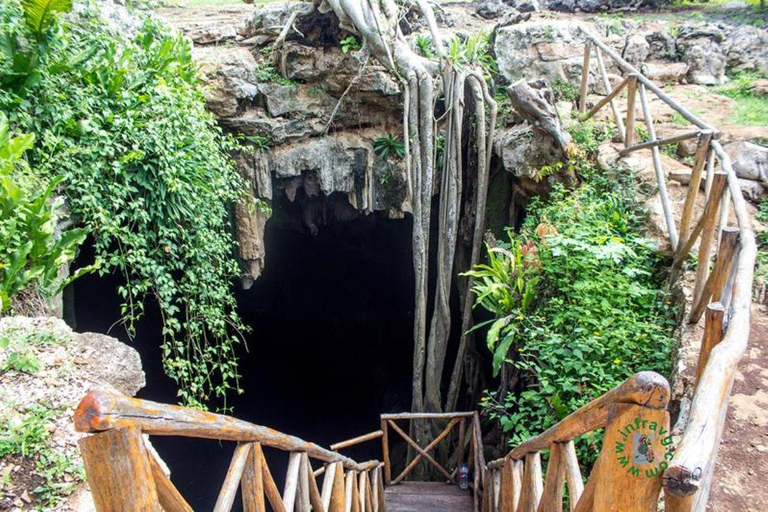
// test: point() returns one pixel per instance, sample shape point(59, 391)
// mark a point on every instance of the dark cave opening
point(331, 346)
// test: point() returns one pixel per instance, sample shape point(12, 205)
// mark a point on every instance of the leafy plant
point(472, 51)
point(425, 46)
point(266, 72)
point(39, 15)
point(350, 44)
point(588, 135)
point(30, 252)
point(389, 145)
point(564, 90)
point(147, 172)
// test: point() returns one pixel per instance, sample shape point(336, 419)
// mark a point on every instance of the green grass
point(750, 109)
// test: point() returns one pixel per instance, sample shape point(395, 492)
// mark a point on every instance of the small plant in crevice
point(425, 46)
point(472, 51)
point(564, 90)
point(350, 44)
point(388, 146)
point(266, 72)
point(259, 142)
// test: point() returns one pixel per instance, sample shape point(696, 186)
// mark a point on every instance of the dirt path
point(742, 464)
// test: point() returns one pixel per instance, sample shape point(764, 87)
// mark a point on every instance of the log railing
point(722, 293)
point(124, 474)
point(468, 440)
point(627, 474)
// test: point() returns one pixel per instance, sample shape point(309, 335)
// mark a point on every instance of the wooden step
point(427, 497)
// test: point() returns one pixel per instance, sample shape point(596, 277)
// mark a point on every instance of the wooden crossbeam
point(169, 497)
point(422, 452)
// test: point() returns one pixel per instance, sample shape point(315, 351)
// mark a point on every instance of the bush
point(600, 312)
point(123, 121)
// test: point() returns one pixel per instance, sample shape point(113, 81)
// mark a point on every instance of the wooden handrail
point(357, 440)
point(648, 389)
point(102, 410)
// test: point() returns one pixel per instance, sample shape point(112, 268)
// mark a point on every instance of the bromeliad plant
point(506, 286)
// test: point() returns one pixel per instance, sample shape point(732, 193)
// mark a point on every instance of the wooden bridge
point(639, 456)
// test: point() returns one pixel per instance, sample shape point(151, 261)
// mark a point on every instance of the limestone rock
point(636, 50)
point(271, 18)
point(525, 5)
point(661, 45)
point(523, 151)
point(490, 9)
point(752, 190)
point(747, 49)
point(701, 46)
point(665, 71)
point(230, 75)
point(110, 361)
point(749, 161)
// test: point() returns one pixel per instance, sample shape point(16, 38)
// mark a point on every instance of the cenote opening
point(330, 348)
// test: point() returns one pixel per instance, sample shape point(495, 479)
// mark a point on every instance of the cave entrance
point(332, 340)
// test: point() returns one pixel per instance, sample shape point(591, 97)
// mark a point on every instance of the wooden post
point(252, 481)
point(385, 452)
point(462, 440)
point(708, 233)
point(552, 496)
point(314, 493)
point(702, 154)
point(607, 84)
point(572, 474)
point(270, 488)
point(584, 90)
point(336, 496)
point(713, 334)
point(302, 493)
point(631, 97)
point(636, 451)
point(532, 487)
point(291, 481)
point(661, 179)
point(232, 480)
point(727, 254)
point(118, 471)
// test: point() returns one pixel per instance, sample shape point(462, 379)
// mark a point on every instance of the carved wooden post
point(385, 452)
point(584, 90)
point(631, 110)
point(637, 448)
point(118, 471)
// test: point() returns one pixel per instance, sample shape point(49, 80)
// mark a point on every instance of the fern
point(39, 14)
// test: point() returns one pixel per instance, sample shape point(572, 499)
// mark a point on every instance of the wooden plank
point(584, 89)
point(169, 497)
point(291, 480)
point(102, 410)
point(713, 334)
point(428, 497)
point(636, 449)
point(270, 488)
point(552, 495)
point(702, 152)
point(421, 452)
point(532, 487)
point(232, 480)
point(661, 179)
point(572, 474)
point(119, 471)
point(252, 482)
point(357, 440)
point(642, 388)
point(726, 256)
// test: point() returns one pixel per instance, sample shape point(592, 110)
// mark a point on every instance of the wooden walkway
point(427, 497)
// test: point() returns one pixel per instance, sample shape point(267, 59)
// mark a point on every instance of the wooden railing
point(125, 475)
point(469, 432)
point(723, 292)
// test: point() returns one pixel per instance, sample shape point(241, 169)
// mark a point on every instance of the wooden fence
point(722, 292)
point(124, 475)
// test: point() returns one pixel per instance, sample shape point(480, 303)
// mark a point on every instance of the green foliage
point(564, 90)
point(600, 312)
point(425, 46)
point(350, 44)
point(39, 15)
point(506, 286)
point(30, 252)
point(28, 435)
point(389, 145)
point(751, 109)
point(471, 52)
point(588, 135)
point(146, 171)
point(266, 72)
point(259, 142)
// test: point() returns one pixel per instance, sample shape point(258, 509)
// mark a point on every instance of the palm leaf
point(39, 13)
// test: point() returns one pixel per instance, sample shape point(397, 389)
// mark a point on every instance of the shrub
point(146, 170)
point(600, 312)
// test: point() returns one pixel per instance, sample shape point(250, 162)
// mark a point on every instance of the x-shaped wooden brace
point(423, 452)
